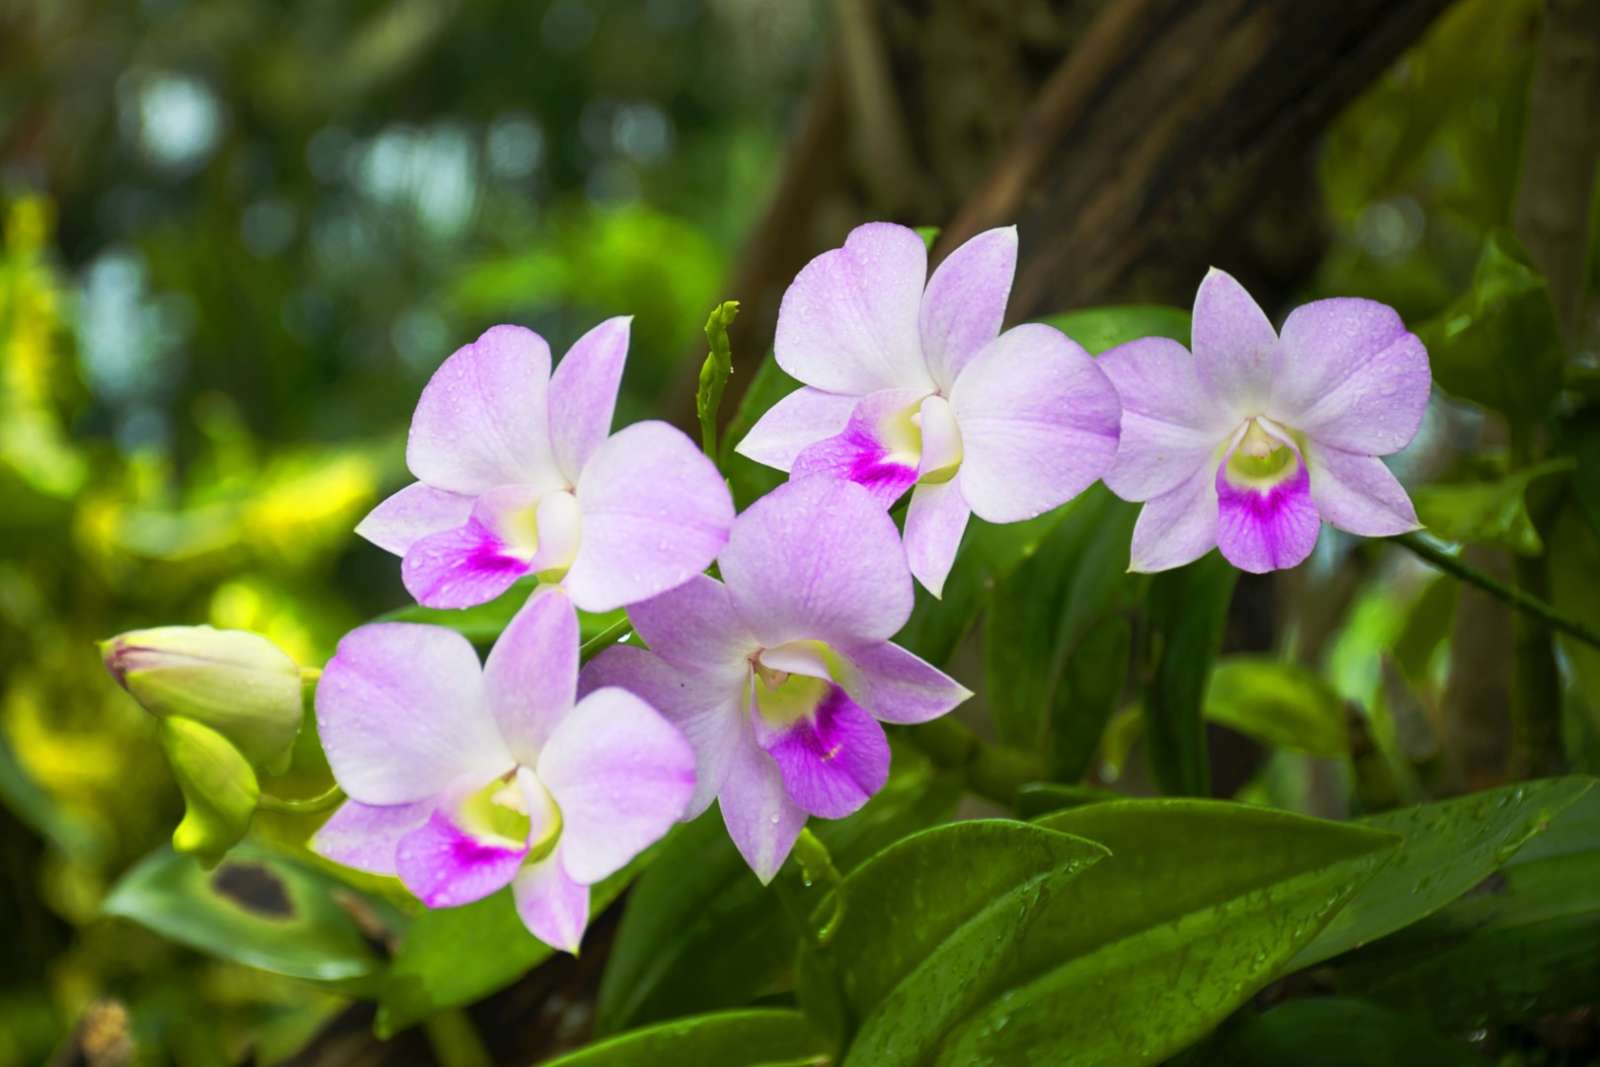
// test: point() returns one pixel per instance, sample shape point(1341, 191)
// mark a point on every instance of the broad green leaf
point(948, 894)
point(1427, 626)
point(700, 932)
point(483, 624)
point(1187, 608)
point(1499, 345)
point(1488, 513)
point(454, 956)
point(1447, 848)
point(1200, 904)
point(1089, 693)
point(766, 1038)
point(256, 908)
point(1278, 703)
point(1042, 798)
point(1098, 329)
point(748, 479)
point(1333, 1032)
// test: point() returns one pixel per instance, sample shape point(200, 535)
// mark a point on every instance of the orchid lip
point(1260, 455)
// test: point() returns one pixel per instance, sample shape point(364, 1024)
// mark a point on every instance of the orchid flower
point(909, 385)
point(463, 780)
point(780, 673)
point(1253, 439)
point(516, 475)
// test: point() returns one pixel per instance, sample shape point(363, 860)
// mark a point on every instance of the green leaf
point(768, 1038)
point(1334, 1032)
point(1499, 345)
point(906, 908)
point(1489, 513)
point(748, 479)
point(1188, 608)
point(483, 624)
point(1042, 798)
point(1200, 904)
point(1448, 848)
point(1427, 627)
point(1098, 329)
point(1278, 703)
point(700, 932)
point(454, 956)
point(1089, 693)
point(256, 908)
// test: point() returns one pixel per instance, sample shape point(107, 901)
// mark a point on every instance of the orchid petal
point(761, 819)
point(849, 320)
point(1039, 423)
point(655, 513)
point(444, 866)
point(831, 761)
point(878, 450)
point(365, 836)
point(1235, 346)
point(1169, 427)
point(1358, 493)
point(802, 418)
point(695, 626)
point(965, 302)
point(401, 715)
point(530, 679)
point(583, 394)
point(480, 421)
point(411, 514)
point(817, 559)
point(553, 907)
point(934, 523)
point(1261, 529)
point(460, 568)
point(896, 686)
point(1177, 527)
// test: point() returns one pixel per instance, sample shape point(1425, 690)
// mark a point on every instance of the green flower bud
point(219, 789)
point(236, 682)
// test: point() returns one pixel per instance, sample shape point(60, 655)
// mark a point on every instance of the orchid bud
point(219, 786)
point(237, 683)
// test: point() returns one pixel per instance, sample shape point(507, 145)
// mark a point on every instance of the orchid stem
point(304, 806)
point(1515, 597)
point(816, 865)
point(605, 638)
point(990, 770)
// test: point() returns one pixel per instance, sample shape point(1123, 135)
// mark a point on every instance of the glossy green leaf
point(1098, 329)
point(483, 624)
point(1447, 848)
point(768, 1038)
point(1278, 703)
point(1487, 513)
point(1042, 798)
point(1188, 608)
point(256, 908)
point(700, 932)
point(907, 907)
point(1199, 905)
point(454, 956)
point(1333, 1032)
point(1088, 695)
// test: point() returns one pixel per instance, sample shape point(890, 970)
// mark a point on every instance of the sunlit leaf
point(1098, 329)
point(1490, 513)
point(1278, 703)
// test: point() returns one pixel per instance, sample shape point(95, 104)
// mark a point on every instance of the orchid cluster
point(766, 688)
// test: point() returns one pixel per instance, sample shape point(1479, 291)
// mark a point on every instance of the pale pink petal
point(481, 419)
point(848, 322)
point(1235, 346)
point(695, 626)
point(896, 686)
point(583, 394)
point(965, 302)
point(411, 514)
point(655, 513)
point(831, 761)
point(802, 418)
point(401, 715)
point(705, 707)
point(934, 524)
point(1351, 376)
point(461, 567)
point(1038, 424)
point(365, 837)
point(530, 679)
point(1358, 493)
point(621, 775)
point(817, 558)
point(1177, 527)
point(761, 819)
point(444, 866)
point(1169, 427)
point(1260, 530)
point(553, 907)
point(877, 450)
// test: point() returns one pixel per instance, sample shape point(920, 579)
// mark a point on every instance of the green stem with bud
point(714, 374)
point(316, 805)
point(816, 865)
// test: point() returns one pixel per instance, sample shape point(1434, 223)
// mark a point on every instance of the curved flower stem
point(990, 770)
point(605, 638)
point(816, 865)
point(305, 806)
point(1513, 596)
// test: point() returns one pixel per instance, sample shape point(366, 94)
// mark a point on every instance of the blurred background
point(240, 234)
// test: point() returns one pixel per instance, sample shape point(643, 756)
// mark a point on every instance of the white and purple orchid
point(463, 780)
point(517, 475)
point(907, 384)
point(1254, 439)
point(780, 673)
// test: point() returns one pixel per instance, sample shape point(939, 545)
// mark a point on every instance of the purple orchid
point(780, 674)
point(911, 385)
point(1253, 439)
point(463, 780)
point(517, 475)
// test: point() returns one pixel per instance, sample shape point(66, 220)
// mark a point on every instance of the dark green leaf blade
point(1335, 1032)
point(767, 1038)
point(1188, 608)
